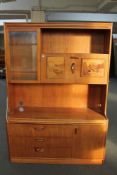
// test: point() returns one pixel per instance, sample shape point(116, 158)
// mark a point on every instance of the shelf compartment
point(70, 41)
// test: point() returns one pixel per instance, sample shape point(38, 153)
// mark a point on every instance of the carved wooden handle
point(73, 67)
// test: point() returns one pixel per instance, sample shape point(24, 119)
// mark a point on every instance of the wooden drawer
point(40, 130)
point(30, 147)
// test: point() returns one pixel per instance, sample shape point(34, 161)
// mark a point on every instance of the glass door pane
point(23, 50)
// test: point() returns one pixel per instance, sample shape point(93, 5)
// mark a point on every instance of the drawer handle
point(76, 130)
point(40, 139)
point(39, 128)
point(38, 149)
point(73, 57)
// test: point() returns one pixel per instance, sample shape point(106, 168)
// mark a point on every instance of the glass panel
point(23, 38)
point(23, 49)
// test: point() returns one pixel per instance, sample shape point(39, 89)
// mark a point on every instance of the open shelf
point(67, 115)
point(75, 41)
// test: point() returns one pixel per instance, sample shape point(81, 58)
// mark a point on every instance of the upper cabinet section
point(58, 52)
point(75, 55)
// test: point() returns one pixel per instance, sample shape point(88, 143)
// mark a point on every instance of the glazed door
point(24, 55)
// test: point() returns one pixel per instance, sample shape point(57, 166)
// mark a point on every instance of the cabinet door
point(89, 141)
point(59, 68)
point(94, 70)
point(23, 48)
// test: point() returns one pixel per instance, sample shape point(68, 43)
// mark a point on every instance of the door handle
point(73, 67)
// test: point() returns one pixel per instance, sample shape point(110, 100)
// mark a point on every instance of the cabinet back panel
point(74, 41)
point(49, 95)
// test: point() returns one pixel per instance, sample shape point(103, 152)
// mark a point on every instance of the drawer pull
point(73, 57)
point(38, 149)
point(76, 130)
point(39, 128)
point(40, 139)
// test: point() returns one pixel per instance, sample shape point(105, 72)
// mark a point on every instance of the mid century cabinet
point(57, 80)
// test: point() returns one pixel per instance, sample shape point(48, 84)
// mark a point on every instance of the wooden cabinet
point(57, 79)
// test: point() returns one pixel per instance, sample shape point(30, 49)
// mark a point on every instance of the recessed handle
point(39, 128)
point(40, 139)
point(76, 130)
point(73, 67)
point(74, 57)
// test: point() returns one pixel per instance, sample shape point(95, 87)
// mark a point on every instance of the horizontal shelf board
point(56, 115)
point(81, 55)
point(55, 160)
point(23, 44)
point(85, 25)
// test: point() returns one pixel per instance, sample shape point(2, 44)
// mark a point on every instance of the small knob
point(21, 107)
point(99, 105)
point(42, 56)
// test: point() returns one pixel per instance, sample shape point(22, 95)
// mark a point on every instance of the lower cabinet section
point(85, 143)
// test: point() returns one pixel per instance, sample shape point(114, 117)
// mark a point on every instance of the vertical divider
point(38, 54)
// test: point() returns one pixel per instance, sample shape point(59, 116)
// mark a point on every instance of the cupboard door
point(23, 55)
point(55, 67)
point(89, 141)
point(94, 70)
point(52, 68)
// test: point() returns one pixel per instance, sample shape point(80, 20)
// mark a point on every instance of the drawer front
point(40, 130)
point(30, 147)
point(52, 142)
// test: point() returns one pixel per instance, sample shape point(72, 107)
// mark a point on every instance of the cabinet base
point(56, 161)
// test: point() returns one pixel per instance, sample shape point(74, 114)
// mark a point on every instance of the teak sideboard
point(57, 86)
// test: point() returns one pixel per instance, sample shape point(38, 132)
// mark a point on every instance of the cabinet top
point(82, 25)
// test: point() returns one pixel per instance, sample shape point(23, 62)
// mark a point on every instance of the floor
point(109, 167)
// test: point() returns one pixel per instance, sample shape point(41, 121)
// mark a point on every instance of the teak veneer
point(57, 86)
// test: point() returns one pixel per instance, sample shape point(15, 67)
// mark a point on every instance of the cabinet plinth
point(57, 79)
